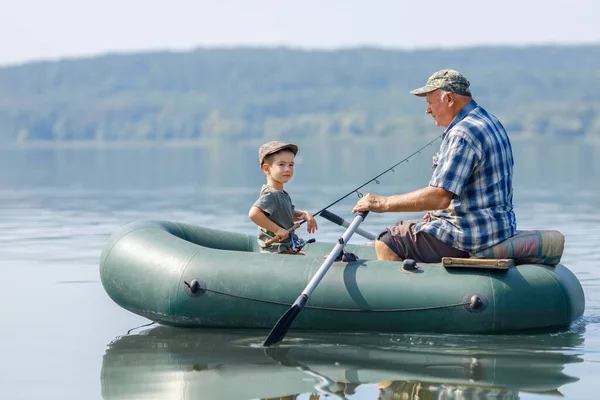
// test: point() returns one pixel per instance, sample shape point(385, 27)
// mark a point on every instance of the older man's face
point(439, 108)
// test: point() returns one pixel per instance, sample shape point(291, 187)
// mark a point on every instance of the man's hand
point(371, 202)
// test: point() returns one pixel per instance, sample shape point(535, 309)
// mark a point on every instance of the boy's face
point(280, 166)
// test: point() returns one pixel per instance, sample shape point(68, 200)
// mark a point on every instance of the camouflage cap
point(446, 79)
point(274, 147)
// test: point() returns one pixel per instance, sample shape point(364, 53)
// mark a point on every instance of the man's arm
point(425, 199)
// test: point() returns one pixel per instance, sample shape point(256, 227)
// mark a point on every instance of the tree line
point(252, 93)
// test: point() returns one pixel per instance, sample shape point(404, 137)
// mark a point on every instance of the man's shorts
point(421, 247)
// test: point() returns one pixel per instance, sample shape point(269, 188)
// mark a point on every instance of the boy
point(273, 211)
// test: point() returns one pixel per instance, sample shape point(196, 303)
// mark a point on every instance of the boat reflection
point(171, 363)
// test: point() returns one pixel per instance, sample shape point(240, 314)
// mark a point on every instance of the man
point(469, 197)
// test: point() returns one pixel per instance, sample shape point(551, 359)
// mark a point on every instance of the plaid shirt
point(475, 163)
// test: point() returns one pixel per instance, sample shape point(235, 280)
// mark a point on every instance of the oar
point(336, 219)
point(281, 327)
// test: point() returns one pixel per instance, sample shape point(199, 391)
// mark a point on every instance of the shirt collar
point(470, 106)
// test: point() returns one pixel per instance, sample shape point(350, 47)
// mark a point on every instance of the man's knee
point(383, 252)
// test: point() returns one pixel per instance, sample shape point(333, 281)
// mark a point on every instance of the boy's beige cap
point(274, 147)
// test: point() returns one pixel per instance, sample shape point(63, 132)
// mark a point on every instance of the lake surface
point(64, 338)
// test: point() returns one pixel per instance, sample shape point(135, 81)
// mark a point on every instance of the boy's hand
point(282, 233)
point(311, 223)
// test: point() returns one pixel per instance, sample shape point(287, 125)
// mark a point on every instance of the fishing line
point(374, 179)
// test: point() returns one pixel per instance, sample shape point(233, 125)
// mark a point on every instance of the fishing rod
point(374, 179)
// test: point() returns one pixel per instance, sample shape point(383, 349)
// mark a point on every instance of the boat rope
point(359, 310)
point(141, 326)
point(129, 332)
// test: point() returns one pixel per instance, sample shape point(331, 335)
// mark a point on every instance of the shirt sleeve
point(455, 165)
point(266, 202)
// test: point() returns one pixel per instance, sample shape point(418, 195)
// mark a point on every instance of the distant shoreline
point(193, 98)
point(211, 143)
point(292, 49)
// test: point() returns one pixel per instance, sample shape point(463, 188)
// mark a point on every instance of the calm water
point(63, 338)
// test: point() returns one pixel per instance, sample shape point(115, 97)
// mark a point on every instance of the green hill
point(255, 92)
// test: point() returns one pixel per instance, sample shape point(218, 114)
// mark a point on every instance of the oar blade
point(285, 321)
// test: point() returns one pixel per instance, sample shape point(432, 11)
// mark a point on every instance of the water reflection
point(173, 363)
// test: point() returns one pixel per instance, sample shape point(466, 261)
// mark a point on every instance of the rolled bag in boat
point(147, 268)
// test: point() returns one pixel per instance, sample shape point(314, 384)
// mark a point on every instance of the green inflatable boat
point(191, 276)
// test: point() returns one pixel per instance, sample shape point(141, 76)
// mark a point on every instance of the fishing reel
point(298, 243)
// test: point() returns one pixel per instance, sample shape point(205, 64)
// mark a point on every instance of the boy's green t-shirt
point(277, 205)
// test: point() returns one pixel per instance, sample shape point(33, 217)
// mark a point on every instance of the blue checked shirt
point(475, 162)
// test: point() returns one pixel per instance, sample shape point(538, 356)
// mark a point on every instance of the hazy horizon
point(31, 30)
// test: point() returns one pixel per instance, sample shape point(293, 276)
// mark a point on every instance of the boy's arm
point(299, 215)
point(259, 218)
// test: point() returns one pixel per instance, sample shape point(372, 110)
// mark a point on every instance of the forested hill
point(254, 92)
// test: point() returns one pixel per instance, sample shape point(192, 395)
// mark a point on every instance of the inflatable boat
point(185, 275)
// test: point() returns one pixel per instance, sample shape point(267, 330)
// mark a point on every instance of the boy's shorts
point(421, 247)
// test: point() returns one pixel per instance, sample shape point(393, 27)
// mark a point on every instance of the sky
point(54, 29)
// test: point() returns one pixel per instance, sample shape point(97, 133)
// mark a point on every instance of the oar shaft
point(336, 219)
point(333, 255)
